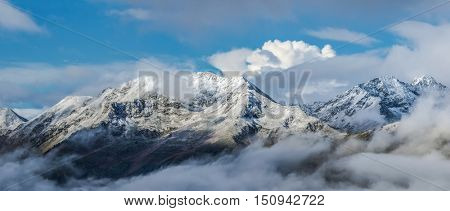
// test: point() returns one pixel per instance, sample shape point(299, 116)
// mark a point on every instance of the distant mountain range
point(373, 104)
point(133, 132)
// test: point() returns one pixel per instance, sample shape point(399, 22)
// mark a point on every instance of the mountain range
point(127, 131)
point(138, 132)
point(370, 105)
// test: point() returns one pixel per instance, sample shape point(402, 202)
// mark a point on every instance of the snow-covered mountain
point(426, 84)
point(144, 129)
point(9, 120)
point(375, 103)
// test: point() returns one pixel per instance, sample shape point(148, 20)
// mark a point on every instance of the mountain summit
point(142, 130)
point(375, 103)
point(425, 83)
point(9, 120)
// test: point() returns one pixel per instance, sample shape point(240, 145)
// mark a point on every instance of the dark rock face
point(106, 157)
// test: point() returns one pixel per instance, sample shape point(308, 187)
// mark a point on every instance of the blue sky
point(142, 38)
point(190, 32)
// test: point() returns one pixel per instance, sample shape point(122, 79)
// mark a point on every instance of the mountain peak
point(385, 99)
point(10, 119)
point(426, 81)
point(226, 110)
point(387, 86)
point(383, 81)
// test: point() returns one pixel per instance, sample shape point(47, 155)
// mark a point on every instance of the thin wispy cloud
point(37, 85)
point(343, 35)
point(132, 13)
point(13, 19)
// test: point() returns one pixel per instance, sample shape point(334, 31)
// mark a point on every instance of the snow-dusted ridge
point(9, 120)
point(373, 104)
point(217, 110)
point(427, 83)
point(146, 129)
point(139, 126)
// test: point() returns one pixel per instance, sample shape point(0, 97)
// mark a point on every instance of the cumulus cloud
point(15, 20)
point(420, 51)
point(231, 61)
point(283, 55)
point(280, 57)
point(344, 35)
point(273, 55)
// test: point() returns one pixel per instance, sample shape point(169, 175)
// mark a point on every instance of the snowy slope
point(145, 129)
point(425, 84)
point(375, 103)
point(9, 120)
point(228, 110)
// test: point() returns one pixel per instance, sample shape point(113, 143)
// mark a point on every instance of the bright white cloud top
point(272, 55)
point(283, 55)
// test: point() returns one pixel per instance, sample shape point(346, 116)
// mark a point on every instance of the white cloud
point(231, 61)
point(423, 132)
point(133, 13)
point(15, 20)
point(344, 35)
point(422, 50)
point(200, 16)
point(273, 55)
point(23, 170)
point(283, 55)
point(28, 85)
point(32, 85)
point(197, 20)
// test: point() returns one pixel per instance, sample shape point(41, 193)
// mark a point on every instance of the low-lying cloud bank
point(409, 155)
